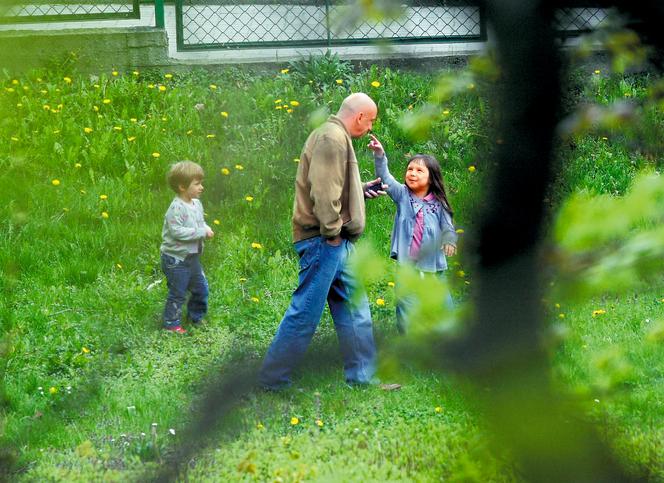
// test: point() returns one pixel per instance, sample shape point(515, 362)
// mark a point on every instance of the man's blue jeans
point(324, 276)
point(183, 276)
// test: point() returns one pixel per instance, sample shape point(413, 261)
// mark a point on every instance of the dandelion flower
point(561, 316)
point(260, 426)
point(67, 80)
point(294, 103)
point(472, 168)
point(117, 128)
point(216, 222)
point(438, 409)
point(15, 82)
point(162, 88)
point(95, 108)
point(461, 274)
point(294, 421)
point(155, 154)
point(557, 306)
point(46, 107)
point(213, 87)
point(319, 423)
point(106, 101)
point(150, 86)
point(119, 265)
point(19, 105)
point(255, 300)
point(103, 197)
point(289, 111)
point(375, 84)
point(14, 138)
point(460, 231)
point(390, 284)
point(597, 71)
point(190, 131)
point(133, 119)
point(249, 198)
point(284, 71)
point(55, 182)
point(278, 108)
point(211, 136)
point(225, 171)
point(223, 114)
point(239, 167)
point(168, 76)
point(104, 215)
point(131, 138)
point(380, 302)
point(278, 101)
point(339, 81)
point(136, 73)
point(242, 279)
point(115, 73)
point(598, 312)
point(256, 245)
point(85, 350)
point(446, 112)
point(53, 390)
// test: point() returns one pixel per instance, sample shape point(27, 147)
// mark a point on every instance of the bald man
point(328, 216)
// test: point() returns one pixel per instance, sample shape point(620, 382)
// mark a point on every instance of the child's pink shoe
point(177, 329)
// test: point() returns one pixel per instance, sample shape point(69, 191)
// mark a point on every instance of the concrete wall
point(118, 48)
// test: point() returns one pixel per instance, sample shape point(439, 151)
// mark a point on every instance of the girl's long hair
point(436, 184)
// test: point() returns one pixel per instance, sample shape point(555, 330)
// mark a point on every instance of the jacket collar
point(335, 120)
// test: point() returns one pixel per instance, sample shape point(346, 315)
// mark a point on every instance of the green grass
point(86, 368)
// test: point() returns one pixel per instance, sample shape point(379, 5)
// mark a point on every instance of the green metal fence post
point(159, 14)
point(327, 20)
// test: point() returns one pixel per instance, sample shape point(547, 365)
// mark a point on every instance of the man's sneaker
point(177, 329)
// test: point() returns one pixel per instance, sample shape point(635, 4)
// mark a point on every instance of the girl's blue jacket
point(438, 227)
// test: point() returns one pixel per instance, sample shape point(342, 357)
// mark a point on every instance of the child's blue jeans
point(182, 277)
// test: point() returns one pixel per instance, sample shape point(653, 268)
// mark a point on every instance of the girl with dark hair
point(423, 233)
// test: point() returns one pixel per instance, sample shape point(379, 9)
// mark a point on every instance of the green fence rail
point(220, 24)
point(39, 11)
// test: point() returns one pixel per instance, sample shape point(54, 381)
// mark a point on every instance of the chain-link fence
point(573, 21)
point(69, 10)
point(202, 24)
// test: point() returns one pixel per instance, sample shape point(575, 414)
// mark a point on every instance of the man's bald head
point(358, 112)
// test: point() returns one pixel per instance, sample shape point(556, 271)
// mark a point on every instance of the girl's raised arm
point(395, 189)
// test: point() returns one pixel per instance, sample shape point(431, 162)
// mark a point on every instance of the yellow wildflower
point(294, 103)
point(284, 71)
point(294, 421)
point(77, 165)
point(278, 101)
point(438, 409)
point(256, 245)
point(249, 198)
point(289, 111)
point(211, 136)
point(597, 71)
point(390, 284)
point(380, 302)
point(131, 138)
point(117, 128)
point(260, 426)
point(103, 197)
point(95, 108)
point(223, 114)
point(168, 76)
point(53, 390)
point(225, 171)
point(239, 167)
point(136, 73)
point(319, 423)
point(446, 112)
point(598, 312)
point(67, 80)
point(460, 231)
point(216, 222)
point(561, 316)
point(213, 87)
point(115, 73)
point(15, 82)
point(46, 107)
point(472, 168)
point(375, 84)
point(155, 154)
point(55, 182)
point(255, 300)
point(85, 350)
point(461, 274)
point(133, 119)
point(106, 101)
point(104, 215)
point(339, 81)
point(14, 138)
point(162, 88)
point(119, 265)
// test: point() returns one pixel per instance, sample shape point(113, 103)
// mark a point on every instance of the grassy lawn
point(93, 389)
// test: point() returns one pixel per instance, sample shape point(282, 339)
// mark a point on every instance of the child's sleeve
point(448, 232)
point(176, 219)
point(395, 189)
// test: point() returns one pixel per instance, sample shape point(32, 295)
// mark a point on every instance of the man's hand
point(372, 191)
point(335, 242)
point(208, 233)
point(376, 146)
